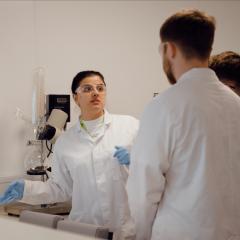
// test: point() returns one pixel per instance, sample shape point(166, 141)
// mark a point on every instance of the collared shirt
point(185, 171)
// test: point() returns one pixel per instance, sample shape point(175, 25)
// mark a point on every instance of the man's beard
point(168, 71)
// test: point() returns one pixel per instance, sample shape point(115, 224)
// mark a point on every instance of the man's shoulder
point(166, 98)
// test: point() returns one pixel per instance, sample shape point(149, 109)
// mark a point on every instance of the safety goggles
point(87, 88)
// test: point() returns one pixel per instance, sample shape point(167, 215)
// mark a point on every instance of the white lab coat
point(87, 172)
point(185, 168)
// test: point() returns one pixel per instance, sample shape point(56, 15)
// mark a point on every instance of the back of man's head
point(226, 65)
point(192, 31)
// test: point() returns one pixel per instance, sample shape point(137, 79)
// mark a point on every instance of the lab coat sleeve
point(134, 130)
point(133, 126)
point(57, 189)
point(149, 163)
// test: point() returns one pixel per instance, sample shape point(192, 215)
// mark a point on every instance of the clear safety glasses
point(87, 88)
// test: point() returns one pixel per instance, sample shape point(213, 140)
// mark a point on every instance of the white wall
point(118, 38)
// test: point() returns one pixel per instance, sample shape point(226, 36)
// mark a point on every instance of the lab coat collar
point(198, 74)
point(107, 117)
point(107, 121)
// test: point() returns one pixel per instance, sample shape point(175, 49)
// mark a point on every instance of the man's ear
point(171, 49)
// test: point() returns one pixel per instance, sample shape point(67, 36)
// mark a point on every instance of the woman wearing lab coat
point(84, 168)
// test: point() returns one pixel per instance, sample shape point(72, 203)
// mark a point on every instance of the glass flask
point(34, 161)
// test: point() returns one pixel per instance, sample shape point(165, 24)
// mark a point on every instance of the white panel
point(118, 38)
point(16, 61)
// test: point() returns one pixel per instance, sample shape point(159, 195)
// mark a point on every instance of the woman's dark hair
point(192, 30)
point(82, 75)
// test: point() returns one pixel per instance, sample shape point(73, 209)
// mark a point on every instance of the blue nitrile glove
point(13, 192)
point(122, 155)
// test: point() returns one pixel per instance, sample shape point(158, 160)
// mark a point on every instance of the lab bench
point(12, 211)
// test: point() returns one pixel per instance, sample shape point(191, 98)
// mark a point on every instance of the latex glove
point(13, 192)
point(122, 155)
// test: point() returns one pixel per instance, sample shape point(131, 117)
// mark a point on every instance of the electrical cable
point(49, 149)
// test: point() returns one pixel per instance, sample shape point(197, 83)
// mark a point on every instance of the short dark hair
point(192, 30)
point(82, 75)
point(226, 66)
